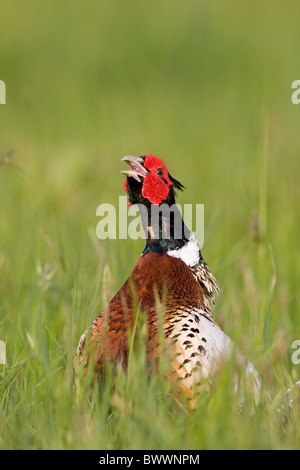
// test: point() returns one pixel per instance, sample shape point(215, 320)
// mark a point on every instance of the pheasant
point(171, 275)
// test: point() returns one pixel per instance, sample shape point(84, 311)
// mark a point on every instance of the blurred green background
point(205, 85)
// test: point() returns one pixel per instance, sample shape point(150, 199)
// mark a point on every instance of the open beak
point(137, 170)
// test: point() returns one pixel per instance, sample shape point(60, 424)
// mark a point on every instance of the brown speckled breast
point(156, 279)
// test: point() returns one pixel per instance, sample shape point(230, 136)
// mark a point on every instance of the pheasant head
point(150, 185)
point(148, 181)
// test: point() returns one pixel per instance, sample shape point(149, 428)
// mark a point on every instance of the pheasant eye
point(160, 171)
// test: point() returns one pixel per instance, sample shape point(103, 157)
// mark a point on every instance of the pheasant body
point(170, 281)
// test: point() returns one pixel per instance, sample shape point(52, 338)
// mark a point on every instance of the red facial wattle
point(152, 163)
point(155, 188)
point(125, 185)
point(153, 174)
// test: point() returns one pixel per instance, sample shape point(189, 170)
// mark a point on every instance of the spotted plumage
point(172, 281)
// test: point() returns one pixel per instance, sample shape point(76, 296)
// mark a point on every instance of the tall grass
point(206, 86)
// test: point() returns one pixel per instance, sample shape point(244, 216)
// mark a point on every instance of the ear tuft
point(176, 183)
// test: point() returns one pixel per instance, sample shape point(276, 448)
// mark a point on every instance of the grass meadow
point(206, 85)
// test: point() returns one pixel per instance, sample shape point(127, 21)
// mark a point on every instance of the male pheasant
point(171, 275)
